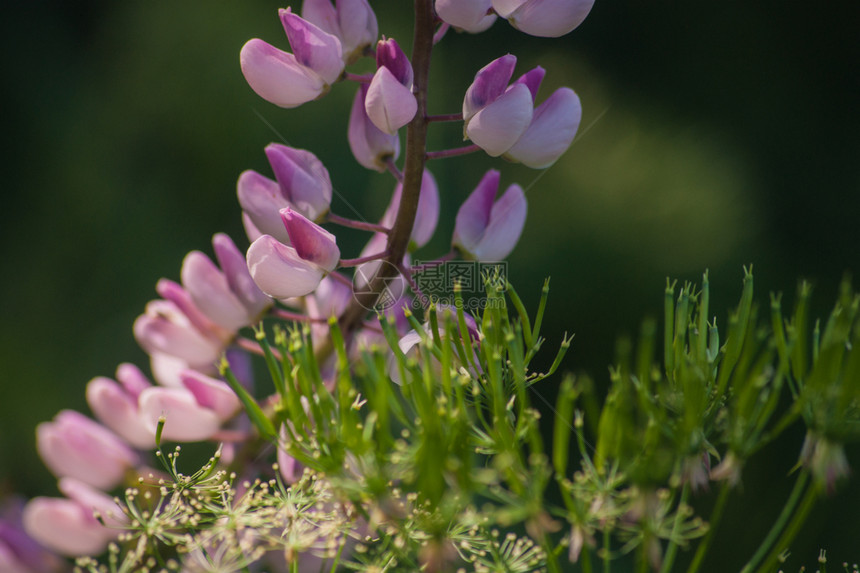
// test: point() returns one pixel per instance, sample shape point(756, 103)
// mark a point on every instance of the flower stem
point(353, 224)
point(453, 152)
point(794, 527)
point(445, 117)
point(672, 548)
point(413, 170)
point(361, 260)
point(779, 524)
point(716, 515)
point(440, 33)
point(362, 79)
point(392, 168)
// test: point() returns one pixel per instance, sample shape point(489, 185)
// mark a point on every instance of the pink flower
point(115, 405)
point(471, 15)
point(546, 18)
point(352, 21)
point(289, 80)
point(370, 146)
point(303, 179)
point(390, 103)
point(287, 271)
point(68, 525)
point(227, 296)
point(486, 229)
point(495, 114)
point(73, 445)
point(19, 552)
point(177, 328)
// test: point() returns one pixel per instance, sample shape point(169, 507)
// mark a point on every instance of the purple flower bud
point(495, 114)
point(486, 230)
point(66, 526)
point(116, 408)
point(352, 21)
point(76, 446)
point(303, 179)
point(185, 419)
point(370, 146)
point(277, 77)
point(389, 102)
point(313, 48)
point(261, 199)
point(545, 18)
point(551, 132)
point(390, 55)
point(427, 215)
point(471, 15)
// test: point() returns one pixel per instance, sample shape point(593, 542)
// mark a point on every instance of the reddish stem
point(465, 150)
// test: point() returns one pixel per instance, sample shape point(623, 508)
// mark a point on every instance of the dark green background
point(713, 136)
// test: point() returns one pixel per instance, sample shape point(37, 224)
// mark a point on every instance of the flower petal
point(489, 84)
point(235, 270)
point(549, 18)
point(185, 419)
point(506, 225)
point(277, 77)
point(64, 526)
point(211, 393)
point(261, 199)
point(303, 178)
point(370, 146)
point(314, 48)
point(279, 271)
point(389, 104)
point(474, 214)
point(312, 243)
point(551, 132)
point(210, 291)
point(500, 124)
point(469, 15)
point(117, 410)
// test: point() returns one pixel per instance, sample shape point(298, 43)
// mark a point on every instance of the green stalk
point(793, 528)
point(672, 548)
point(779, 524)
point(716, 515)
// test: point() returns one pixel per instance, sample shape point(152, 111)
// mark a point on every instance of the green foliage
point(432, 457)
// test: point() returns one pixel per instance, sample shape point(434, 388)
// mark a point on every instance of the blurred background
point(712, 138)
